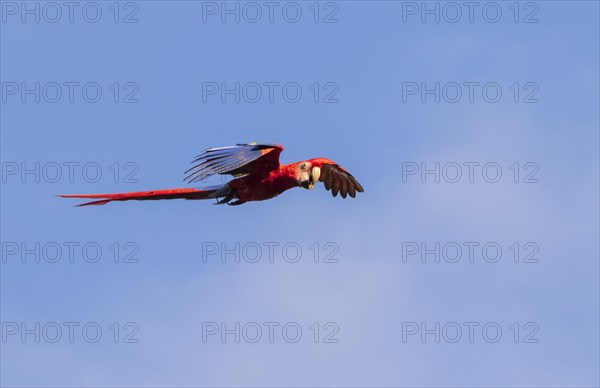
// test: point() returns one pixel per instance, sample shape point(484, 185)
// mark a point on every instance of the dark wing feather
point(240, 159)
point(338, 179)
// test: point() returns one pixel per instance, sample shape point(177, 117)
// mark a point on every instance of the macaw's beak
point(313, 178)
point(315, 173)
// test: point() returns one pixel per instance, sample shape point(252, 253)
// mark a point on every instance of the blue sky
point(541, 134)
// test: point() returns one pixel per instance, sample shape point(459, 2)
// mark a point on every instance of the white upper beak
point(315, 173)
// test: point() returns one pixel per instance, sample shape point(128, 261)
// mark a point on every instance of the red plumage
point(259, 176)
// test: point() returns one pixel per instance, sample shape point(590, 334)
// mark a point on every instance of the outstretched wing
point(240, 159)
point(337, 179)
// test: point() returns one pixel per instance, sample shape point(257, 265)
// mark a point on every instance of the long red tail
point(146, 195)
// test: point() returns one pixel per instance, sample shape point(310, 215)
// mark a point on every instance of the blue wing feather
point(233, 160)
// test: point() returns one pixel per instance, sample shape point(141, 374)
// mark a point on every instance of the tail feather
point(207, 193)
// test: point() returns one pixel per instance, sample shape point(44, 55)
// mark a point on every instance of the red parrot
point(258, 176)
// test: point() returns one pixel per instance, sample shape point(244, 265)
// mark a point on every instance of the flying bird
point(258, 176)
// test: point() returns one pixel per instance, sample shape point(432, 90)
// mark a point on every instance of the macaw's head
point(307, 174)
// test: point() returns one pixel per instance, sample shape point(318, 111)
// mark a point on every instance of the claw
point(227, 198)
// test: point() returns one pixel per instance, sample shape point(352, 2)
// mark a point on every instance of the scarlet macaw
point(259, 176)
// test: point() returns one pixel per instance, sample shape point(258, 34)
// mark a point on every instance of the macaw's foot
point(229, 199)
point(226, 199)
